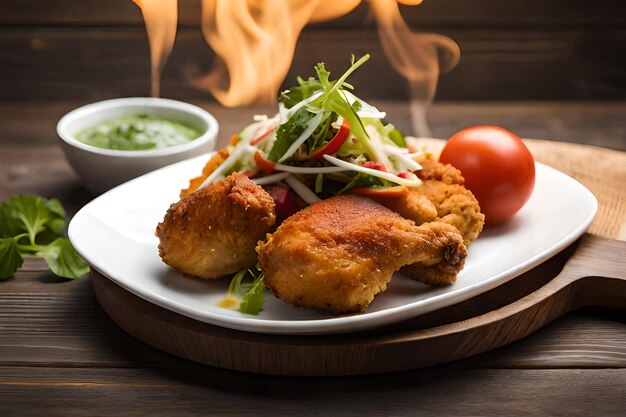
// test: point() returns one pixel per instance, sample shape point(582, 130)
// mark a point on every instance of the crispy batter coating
point(442, 198)
point(213, 231)
point(336, 255)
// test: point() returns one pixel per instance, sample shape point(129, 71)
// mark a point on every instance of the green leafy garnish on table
point(34, 226)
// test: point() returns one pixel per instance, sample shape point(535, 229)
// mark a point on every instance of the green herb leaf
point(56, 207)
point(30, 214)
point(63, 259)
point(288, 132)
point(304, 90)
point(334, 99)
point(237, 287)
point(10, 258)
point(323, 134)
point(364, 180)
point(250, 295)
point(253, 301)
point(42, 222)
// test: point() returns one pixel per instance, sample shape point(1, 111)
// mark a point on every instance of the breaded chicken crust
point(442, 198)
point(213, 231)
point(337, 254)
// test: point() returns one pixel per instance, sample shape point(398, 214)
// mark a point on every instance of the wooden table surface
point(61, 355)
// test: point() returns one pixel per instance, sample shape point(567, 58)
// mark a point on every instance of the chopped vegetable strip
point(323, 141)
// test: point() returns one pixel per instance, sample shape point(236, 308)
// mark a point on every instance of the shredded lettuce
point(309, 117)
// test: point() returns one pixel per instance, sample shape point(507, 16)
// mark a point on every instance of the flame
point(161, 19)
point(419, 57)
point(255, 41)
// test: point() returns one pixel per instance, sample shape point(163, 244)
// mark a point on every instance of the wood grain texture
point(206, 391)
point(33, 123)
point(80, 363)
point(381, 350)
point(90, 63)
point(47, 321)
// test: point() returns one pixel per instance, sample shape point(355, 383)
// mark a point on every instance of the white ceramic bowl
point(102, 169)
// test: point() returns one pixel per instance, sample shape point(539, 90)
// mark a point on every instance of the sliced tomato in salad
point(378, 166)
point(364, 155)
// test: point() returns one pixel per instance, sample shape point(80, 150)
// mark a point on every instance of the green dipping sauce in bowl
point(138, 132)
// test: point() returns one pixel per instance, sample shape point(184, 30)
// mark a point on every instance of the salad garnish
point(323, 141)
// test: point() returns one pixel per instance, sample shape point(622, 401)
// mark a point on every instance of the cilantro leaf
point(10, 258)
point(63, 259)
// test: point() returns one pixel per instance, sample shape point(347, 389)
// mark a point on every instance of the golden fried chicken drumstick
point(337, 254)
point(213, 231)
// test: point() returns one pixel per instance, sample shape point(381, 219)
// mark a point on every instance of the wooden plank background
point(513, 50)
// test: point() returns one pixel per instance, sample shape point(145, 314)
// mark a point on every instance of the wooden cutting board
point(590, 272)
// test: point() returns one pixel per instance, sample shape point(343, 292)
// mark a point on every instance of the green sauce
point(138, 132)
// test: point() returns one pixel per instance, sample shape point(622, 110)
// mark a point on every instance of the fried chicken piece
point(456, 206)
point(337, 254)
point(442, 198)
point(213, 231)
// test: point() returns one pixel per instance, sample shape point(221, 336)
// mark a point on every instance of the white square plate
point(115, 234)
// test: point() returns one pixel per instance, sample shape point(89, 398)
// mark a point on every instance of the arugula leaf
point(304, 90)
point(288, 132)
point(253, 301)
point(334, 99)
point(10, 258)
point(63, 259)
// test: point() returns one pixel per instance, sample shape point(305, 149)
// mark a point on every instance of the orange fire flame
point(255, 42)
point(161, 18)
point(419, 57)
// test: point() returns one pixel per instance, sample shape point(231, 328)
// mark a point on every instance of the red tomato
point(497, 166)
